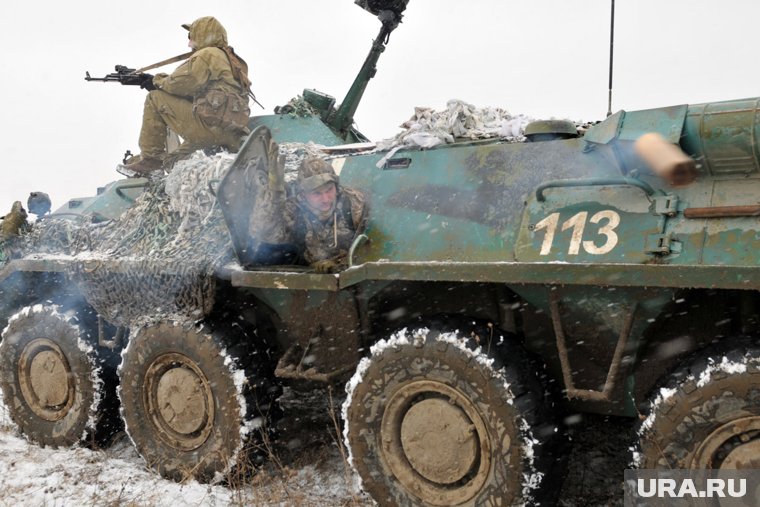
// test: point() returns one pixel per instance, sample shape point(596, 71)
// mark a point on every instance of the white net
point(158, 258)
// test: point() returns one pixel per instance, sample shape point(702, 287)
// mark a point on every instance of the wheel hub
point(46, 379)
point(180, 401)
point(434, 441)
point(733, 446)
point(439, 441)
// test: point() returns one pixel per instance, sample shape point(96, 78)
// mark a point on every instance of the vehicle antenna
point(612, 44)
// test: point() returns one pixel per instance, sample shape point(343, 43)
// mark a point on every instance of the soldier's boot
point(186, 149)
point(182, 152)
point(140, 166)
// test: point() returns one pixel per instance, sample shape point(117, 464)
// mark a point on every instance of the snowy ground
point(117, 476)
point(308, 472)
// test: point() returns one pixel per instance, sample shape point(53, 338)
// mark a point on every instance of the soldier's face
point(322, 198)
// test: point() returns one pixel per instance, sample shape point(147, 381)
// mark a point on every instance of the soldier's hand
point(325, 266)
point(276, 167)
point(146, 82)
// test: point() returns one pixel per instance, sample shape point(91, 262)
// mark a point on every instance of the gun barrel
point(123, 75)
point(107, 77)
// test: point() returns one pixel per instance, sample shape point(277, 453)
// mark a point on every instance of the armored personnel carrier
point(499, 284)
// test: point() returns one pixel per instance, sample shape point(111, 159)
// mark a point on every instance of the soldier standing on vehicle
point(321, 220)
point(205, 101)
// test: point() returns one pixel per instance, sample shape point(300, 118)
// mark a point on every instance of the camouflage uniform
point(329, 239)
point(14, 222)
point(176, 100)
point(317, 236)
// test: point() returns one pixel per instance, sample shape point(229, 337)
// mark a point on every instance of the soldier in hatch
point(205, 101)
point(322, 219)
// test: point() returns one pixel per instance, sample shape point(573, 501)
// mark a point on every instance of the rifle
point(123, 75)
point(138, 77)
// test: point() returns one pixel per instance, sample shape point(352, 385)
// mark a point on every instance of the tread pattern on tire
point(512, 394)
point(89, 410)
point(242, 395)
point(712, 388)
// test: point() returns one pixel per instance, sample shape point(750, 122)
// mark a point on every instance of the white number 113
point(578, 223)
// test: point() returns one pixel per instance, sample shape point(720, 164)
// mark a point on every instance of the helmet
point(38, 203)
point(313, 173)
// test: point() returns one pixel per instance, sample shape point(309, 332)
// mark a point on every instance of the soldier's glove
point(325, 266)
point(146, 82)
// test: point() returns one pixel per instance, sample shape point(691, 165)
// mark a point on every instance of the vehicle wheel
point(52, 378)
point(431, 418)
point(707, 417)
point(192, 400)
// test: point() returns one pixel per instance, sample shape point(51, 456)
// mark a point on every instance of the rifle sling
point(178, 58)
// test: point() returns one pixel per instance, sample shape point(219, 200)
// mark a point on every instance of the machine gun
point(125, 76)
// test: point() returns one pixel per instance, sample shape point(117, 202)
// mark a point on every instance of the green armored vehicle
point(499, 284)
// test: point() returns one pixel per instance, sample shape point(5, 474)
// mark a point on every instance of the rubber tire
point(76, 426)
point(674, 427)
point(227, 446)
point(514, 477)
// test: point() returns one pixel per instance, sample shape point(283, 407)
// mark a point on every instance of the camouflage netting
point(8, 250)
point(158, 259)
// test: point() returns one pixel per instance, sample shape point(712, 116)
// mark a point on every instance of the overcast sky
point(542, 58)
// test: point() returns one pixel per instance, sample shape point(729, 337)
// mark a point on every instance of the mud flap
point(327, 342)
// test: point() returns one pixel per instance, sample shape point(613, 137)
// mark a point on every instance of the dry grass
point(290, 477)
point(312, 473)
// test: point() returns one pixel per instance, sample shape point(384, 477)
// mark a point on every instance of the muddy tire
point(707, 416)
point(192, 402)
point(433, 419)
point(52, 378)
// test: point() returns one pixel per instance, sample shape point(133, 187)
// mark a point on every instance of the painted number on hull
point(607, 221)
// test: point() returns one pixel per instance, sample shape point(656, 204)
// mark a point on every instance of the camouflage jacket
point(289, 221)
point(317, 240)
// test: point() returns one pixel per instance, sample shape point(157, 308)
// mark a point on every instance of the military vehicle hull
point(573, 275)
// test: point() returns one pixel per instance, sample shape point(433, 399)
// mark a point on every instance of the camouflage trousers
point(164, 110)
